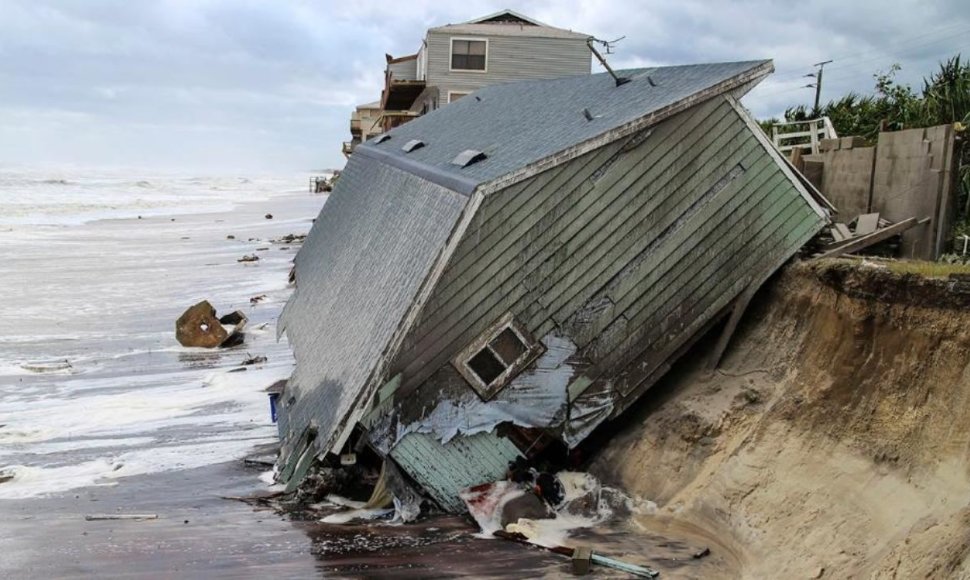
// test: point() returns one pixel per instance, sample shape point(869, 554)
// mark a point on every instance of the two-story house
point(457, 59)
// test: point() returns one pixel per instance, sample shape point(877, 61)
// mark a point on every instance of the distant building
point(457, 59)
point(364, 123)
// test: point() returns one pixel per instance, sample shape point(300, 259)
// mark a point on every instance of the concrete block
point(851, 142)
point(829, 144)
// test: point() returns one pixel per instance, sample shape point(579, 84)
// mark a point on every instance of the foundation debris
point(198, 326)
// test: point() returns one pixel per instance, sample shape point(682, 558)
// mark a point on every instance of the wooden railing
point(802, 134)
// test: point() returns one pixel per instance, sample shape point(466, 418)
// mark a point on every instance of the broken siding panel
point(443, 470)
point(357, 274)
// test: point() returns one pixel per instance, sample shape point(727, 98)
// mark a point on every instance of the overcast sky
point(235, 85)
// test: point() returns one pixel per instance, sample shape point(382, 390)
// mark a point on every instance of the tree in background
point(944, 99)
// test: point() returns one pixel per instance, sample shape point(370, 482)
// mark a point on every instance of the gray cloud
point(258, 85)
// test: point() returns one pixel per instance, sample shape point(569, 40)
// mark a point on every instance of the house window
point(468, 54)
point(497, 356)
point(455, 95)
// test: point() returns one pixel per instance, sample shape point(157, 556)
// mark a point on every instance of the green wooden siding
point(443, 470)
point(659, 232)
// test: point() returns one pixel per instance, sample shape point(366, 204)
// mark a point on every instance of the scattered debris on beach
point(55, 366)
point(112, 517)
point(249, 258)
point(253, 360)
point(289, 239)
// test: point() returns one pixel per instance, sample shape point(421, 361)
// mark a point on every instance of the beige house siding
point(509, 58)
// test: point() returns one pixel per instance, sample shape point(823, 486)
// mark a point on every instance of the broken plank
point(866, 224)
point(860, 243)
point(102, 517)
point(740, 305)
point(840, 232)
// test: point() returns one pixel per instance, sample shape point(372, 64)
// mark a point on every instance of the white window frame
point(533, 349)
point(451, 51)
point(462, 93)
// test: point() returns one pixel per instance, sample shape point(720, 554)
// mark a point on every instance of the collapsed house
point(523, 265)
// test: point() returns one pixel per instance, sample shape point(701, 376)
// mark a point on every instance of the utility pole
point(817, 85)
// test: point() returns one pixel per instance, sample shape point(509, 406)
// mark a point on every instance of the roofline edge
point(751, 76)
point(456, 183)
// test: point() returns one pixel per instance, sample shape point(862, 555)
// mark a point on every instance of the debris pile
point(868, 231)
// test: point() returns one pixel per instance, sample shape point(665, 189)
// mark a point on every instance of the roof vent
point(381, 138)
point(412, 145)
point(468, 157)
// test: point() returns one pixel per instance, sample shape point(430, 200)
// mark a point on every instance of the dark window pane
point(486, 366)
point(508, 346)
point(468, 54)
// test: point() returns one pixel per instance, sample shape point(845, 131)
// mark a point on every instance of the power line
point(845, 69)
point(906, 45)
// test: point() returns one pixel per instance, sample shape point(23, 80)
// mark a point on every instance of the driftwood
point(103, 517)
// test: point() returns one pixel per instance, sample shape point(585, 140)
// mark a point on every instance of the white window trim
point(462, 93)
point(534, 348)
point(451, 50)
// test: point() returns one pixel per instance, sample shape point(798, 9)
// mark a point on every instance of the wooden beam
point(860, 243)
point(737, 311)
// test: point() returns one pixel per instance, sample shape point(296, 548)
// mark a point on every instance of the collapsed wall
point(833, 441)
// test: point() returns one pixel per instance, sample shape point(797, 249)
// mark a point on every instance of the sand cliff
point(833, 440)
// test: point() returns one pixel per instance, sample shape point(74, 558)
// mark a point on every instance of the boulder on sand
point(198, 326)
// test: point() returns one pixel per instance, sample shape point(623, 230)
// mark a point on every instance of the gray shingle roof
point(357, 275)
point(494, 119)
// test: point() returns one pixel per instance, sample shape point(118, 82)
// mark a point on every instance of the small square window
point(498, 356)
point(468, 54)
